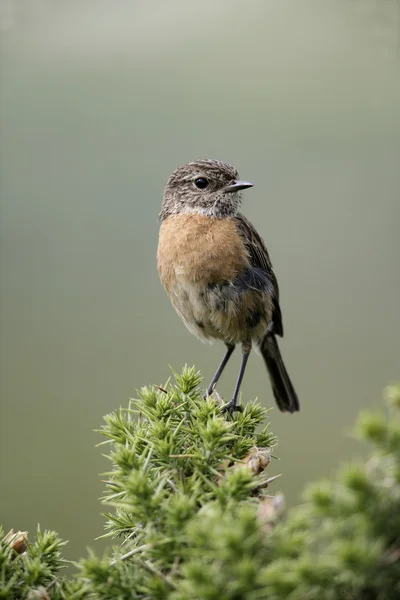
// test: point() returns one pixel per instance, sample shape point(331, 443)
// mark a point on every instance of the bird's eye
point(201, 183)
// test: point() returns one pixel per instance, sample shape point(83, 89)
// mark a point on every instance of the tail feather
point(284, 392)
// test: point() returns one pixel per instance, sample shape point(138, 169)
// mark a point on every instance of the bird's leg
point(232, 405)
point(229, 349)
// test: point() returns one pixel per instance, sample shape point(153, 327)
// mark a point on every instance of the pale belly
point(221, 311)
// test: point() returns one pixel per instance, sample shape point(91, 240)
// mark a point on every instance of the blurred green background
point(99, 102)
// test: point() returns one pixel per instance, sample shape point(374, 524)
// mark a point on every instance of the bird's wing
point(259, 258)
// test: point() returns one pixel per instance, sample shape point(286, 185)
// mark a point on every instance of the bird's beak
point(238, 185)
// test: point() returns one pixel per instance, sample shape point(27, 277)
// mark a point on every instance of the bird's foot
point(231, 407)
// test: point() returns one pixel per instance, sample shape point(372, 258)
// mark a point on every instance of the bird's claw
point(231, 407)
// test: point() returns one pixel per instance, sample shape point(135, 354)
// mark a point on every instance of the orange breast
point(199, 249)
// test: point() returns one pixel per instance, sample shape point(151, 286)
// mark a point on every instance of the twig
point(181, 455)
point(147, 564)
point(264, 484)
point(138, 550)
point(132, 552)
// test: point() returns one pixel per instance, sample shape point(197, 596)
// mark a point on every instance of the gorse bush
point(344, 542)
point(28, 570)
point(173, 452)
point(191, 516)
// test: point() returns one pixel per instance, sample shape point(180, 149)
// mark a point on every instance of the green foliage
point(176, 461)
point(187, 488)
point(172, 452)
point(30, 570)
point(344, 542)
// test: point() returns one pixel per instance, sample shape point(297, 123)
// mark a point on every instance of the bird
point(217, 272)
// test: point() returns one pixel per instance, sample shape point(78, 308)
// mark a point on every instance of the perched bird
point(217, 272)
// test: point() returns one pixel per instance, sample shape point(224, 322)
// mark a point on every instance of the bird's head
point(206, 187)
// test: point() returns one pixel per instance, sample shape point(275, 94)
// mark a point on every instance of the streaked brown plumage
point(217, 272)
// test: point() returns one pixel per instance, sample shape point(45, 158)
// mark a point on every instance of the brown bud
point(39, 593)
point(257, 459)
point(17, 541)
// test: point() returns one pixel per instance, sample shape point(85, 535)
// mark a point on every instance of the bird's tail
point(284, 392)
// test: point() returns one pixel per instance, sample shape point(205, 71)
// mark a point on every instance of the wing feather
point(260, 259)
